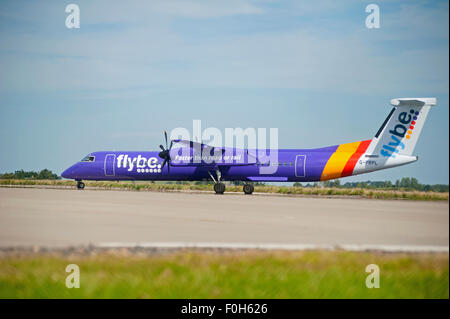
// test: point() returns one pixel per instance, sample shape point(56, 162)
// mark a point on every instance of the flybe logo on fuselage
point(141, 163)
point(401, 130)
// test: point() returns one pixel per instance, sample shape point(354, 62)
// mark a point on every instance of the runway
point(59, 218)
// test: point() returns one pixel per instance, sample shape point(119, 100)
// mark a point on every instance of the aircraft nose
point(68, 173)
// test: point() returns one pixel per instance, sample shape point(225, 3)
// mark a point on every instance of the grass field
point(250, 274)
point(288, 190)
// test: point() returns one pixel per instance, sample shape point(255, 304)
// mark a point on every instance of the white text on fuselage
point(141, 163)
point(207, 158)
point(152, 165)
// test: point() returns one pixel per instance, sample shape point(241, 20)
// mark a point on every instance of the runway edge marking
point(275, 246)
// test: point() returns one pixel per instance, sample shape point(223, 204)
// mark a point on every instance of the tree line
point(44, 174)
point(406, 183)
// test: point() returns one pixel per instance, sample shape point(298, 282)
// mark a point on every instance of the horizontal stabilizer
point(414, 101)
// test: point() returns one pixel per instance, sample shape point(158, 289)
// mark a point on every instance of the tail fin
point(401, 129)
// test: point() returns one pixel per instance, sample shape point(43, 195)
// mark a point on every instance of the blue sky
point(135, 68)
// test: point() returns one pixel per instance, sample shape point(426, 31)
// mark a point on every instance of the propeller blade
point(162, 147)
point(165, 135)
point(164, 163)
point(171, 143)
point(168, 167)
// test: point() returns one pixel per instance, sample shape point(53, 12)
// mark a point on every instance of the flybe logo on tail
point(401, 130)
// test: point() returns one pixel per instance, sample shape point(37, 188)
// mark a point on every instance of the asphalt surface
point(59, 218)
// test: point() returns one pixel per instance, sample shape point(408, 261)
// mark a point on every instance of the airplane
point(392, 146)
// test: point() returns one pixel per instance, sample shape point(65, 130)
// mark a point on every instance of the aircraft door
point(300, 166)
point(110, 161)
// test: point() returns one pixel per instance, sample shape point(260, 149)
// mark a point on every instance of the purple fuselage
point(291, 165)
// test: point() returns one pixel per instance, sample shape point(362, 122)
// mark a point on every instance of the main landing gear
point(248, 189)
point(80, 185)
point(219, 188)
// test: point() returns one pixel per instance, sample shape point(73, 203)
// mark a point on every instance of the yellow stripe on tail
point(337, 161)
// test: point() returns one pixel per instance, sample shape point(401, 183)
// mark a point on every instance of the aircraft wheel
point(248, 189)
point(219, 188)
point(80, 185)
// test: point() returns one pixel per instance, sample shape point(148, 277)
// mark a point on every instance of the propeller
point(165, 153)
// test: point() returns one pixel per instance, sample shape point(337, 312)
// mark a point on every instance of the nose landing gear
point(80, 185)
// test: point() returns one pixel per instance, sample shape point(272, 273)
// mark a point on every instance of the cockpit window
point(88, 158)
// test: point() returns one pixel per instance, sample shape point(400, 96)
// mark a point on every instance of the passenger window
point(290, 164)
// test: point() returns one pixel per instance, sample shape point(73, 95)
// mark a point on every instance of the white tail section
point(400, 131)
